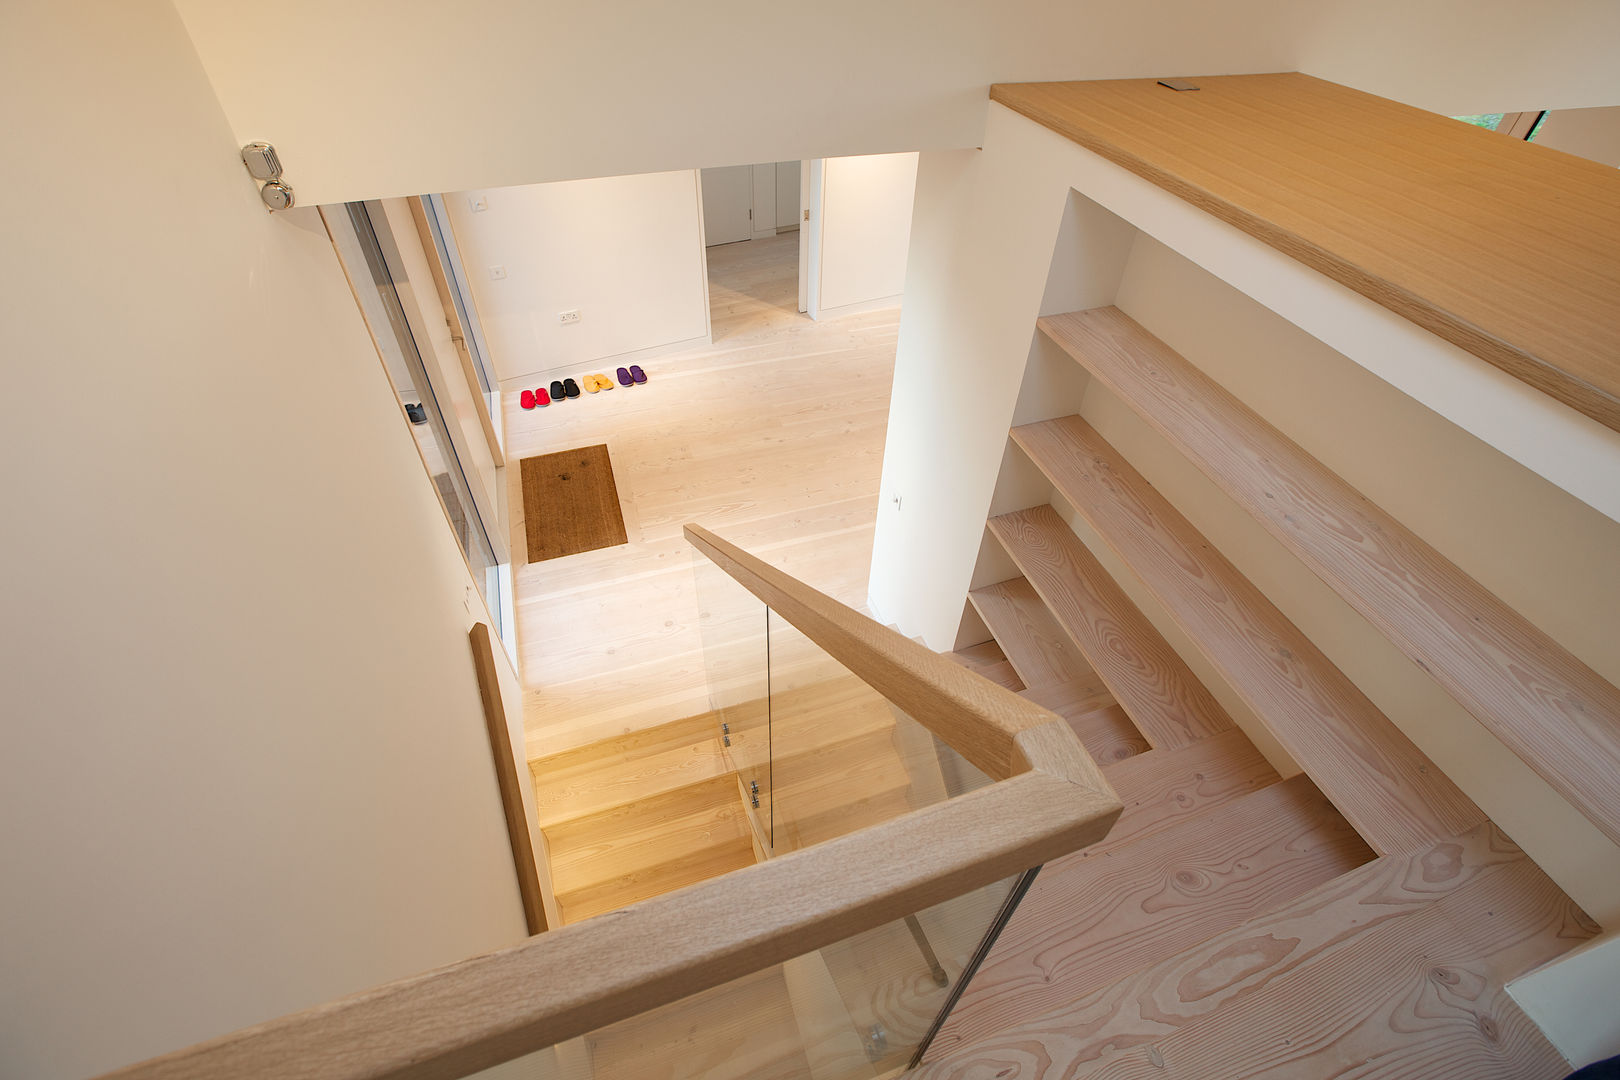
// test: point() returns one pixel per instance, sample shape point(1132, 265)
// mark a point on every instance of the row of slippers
point(567, 388)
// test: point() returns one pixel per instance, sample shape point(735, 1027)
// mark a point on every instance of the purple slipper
point(637, 374)
point(624, 377)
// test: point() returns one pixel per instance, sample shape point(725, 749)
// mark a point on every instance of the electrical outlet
point(570, 316)
point(497, 273)
point(479, 203)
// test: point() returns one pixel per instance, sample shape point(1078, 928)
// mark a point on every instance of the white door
point(728, 205)
point(787, 194)
point(811, 173)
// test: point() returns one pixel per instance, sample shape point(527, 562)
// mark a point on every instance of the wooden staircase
point(639, 815)
point(649, 812)
point(1359, 918)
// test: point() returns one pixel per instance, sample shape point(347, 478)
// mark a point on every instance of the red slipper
point(540, 396)
point(526, 399)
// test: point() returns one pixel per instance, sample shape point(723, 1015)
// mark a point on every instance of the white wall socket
point(496, 273)
point(570, 316)
point(479, 203)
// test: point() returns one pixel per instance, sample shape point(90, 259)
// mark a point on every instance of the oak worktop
point(1504, 248)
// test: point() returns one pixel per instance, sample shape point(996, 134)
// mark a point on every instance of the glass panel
point(736, 660)
point(371, 258)
point(1488, 121)
point(843, 757)
point(828, 755)
point(856, 1009)
point(466, 314)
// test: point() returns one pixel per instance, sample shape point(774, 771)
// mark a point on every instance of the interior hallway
point(772, 437)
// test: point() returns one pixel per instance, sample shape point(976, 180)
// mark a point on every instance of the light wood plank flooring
point(772, 436)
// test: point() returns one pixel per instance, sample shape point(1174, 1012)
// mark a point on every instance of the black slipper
point(571, 387)
point(557, 391)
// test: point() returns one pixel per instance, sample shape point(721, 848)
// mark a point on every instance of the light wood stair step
point(1553, 711)
point(812, 717)
point(863, 810)
point(636, 834)
point(988, 659)
point(1394, 969)
point(1104, 729)
point(1164, 787)
point(1377, 777)
point(591, 778)
point(617, 748)
point(613, 858)
point(1107, 733)
point(1036, 646)
point(742, 1030)
point(837, 789)
point(1146, 676)
point(1095, 917)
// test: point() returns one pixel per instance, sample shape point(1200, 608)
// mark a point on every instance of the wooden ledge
point(1504, 248)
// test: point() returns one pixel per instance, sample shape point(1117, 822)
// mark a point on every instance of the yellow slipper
point(593, 383)
point(602, 381)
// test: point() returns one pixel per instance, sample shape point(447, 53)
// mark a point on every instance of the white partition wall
point(624, 252)
point(246, 763)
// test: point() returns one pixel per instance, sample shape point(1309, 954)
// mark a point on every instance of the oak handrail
point(507, 779)
point(1050, 799)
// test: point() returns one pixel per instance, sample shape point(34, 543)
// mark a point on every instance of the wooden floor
point(772, 436)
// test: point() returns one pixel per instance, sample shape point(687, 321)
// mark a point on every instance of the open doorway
point(751, 217)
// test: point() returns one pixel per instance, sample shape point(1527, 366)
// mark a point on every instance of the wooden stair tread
point(742, 1030)
point(597, 786)
point(988, 659)
point(678, 871)
point(1164, 787)
point(616, 749)
point(863, 755)
point(1107, 734)
point(1036, 646)
point(1553, 711)
point(800, 728)
point(1145, 675)
point(600, 846)
point(843, 819)
point(1395, 968)
point(839, 787)
point(1378, 778)
point(1093, 918)
point(1070, 699)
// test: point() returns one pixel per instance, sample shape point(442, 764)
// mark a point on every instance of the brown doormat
point(570, 503)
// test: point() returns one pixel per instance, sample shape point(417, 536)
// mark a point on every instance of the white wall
point(625, 251)
point(864, 229)
point(641, 81)
point(1591, 133)
point(245, 769)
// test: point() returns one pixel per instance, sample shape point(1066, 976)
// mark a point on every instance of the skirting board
point(864, 305)
point(518, 382)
